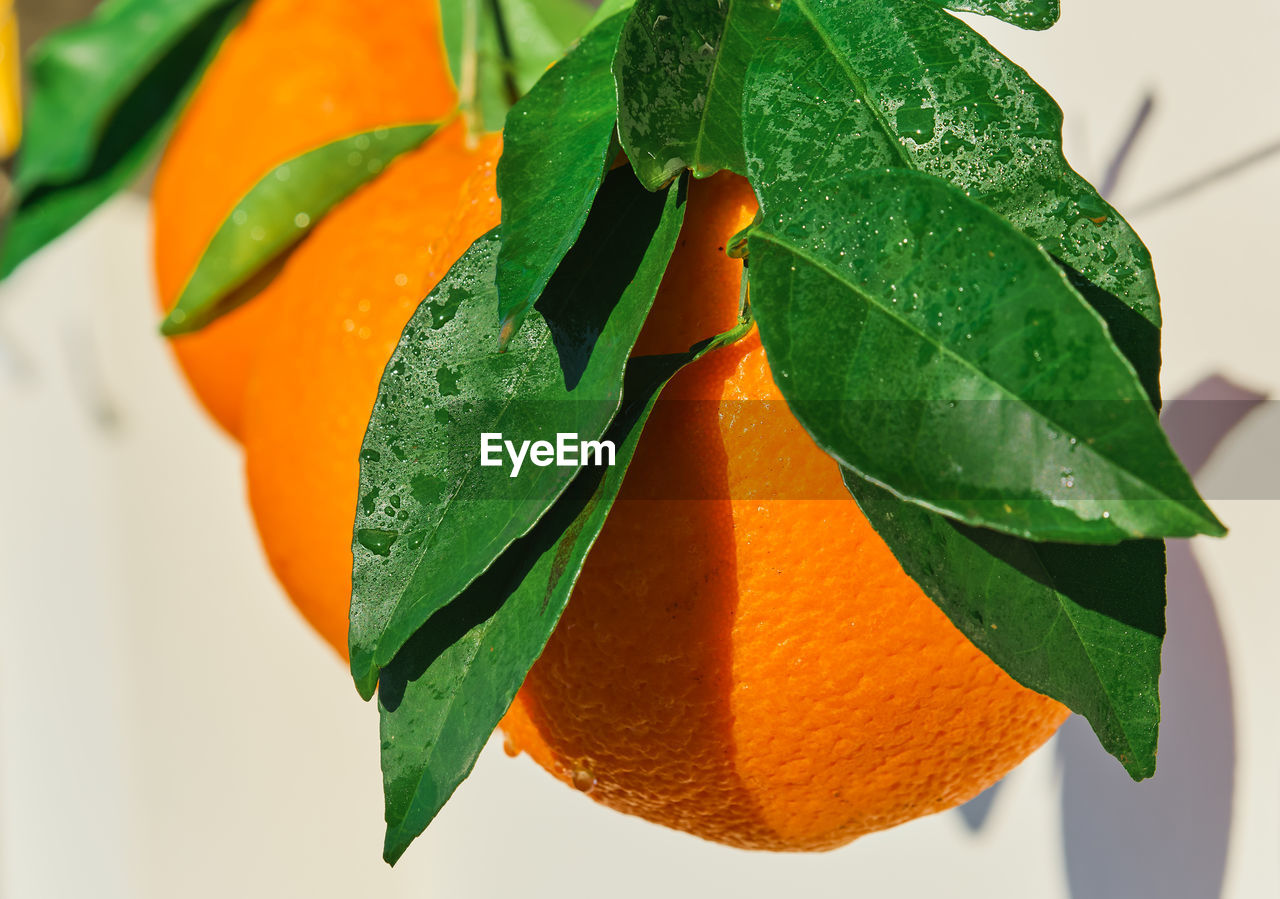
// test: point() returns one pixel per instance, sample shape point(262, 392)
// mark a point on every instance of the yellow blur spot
point(10, 81)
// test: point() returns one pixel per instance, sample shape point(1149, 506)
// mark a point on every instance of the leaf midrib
point(711, 82)
point(859, 86)
point(1066, 611)
point(835, 275)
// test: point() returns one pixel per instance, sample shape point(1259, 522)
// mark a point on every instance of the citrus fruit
point(339, 305)
point(742, 657)
point(294, 75)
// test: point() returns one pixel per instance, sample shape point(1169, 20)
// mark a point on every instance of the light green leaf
point(498, 49)
point(104, 93)
point(278, 212)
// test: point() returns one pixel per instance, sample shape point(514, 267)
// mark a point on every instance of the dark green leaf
point(498, 48)
point(278, 212)
point(931, 347)
point(1082, 624)
point(680, 69)
point(103, 94)
point(557, 145)
point(1034, 15)
point(448, 687)
point(431, 517)
point(849, 85)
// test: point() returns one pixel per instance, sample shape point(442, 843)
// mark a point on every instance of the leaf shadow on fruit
point(1168, 836)
point(667, 601)
point(486, 594)
point(590, 281)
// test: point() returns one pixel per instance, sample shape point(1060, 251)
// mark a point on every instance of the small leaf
point(497, 49)
point(449, 686)
point(103, 94)
point(278, 212)
point(556, 148)
point(1033, 15)
point(680, 69)
point(851, 85)
point(1082, 624)
point(446, 385)
point(933, 349)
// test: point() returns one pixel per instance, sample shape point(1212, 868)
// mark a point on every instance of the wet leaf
point(446, 385)
point(497, 58)
point(929, 346)
point(1033, 15)
point(680, 69)
point(278, 212)
point(449, 686)
point(1083, 624)
point(103, 93)
point(853, 85)
point(557, 145)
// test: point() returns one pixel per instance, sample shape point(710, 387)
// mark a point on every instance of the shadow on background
point(1167, 836)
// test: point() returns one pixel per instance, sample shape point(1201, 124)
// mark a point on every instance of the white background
point(170, 728)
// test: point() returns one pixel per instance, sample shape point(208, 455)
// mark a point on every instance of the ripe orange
point(755, 668)
point(295, 75)
point(339, 306)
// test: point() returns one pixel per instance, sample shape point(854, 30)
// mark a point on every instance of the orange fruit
point(339, 306)
point(295, 75)
point(752, 665)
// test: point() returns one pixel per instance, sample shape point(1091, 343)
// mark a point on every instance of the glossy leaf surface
point(448, 687)
point(680, 70)
point(1034, 15)
point(556, 148)
point(278, 212)
point(431, 517)
point(932, 348)
point(843, 86)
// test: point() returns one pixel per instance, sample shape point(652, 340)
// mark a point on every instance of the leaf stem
point(508, 52)
point(470, 53)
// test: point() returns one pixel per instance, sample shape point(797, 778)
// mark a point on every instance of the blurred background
point(170, 727)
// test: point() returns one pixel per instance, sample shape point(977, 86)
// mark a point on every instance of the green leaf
point(847, 85)
point(278, 212)
point(103, 94)
point(556, 147)
point(1033, 15)
point(1082, 624)
point(431, 517)
point(449, 686)
point(931, 347)
point(608, 9)
point(498, 49)
point(680, 69)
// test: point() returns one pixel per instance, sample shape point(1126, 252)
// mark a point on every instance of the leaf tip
point(175, 323)
point(366, 678)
